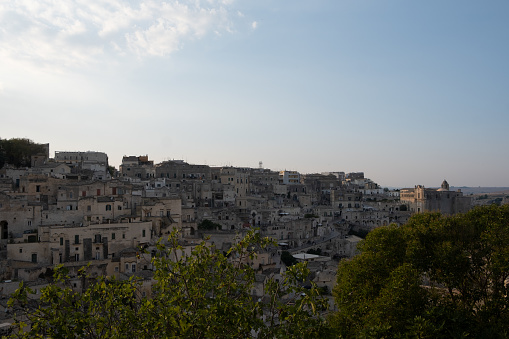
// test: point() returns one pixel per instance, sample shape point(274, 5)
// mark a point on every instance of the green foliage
point(318, 251)
point(288, 259)
point(361, 233)
point(201, 295)
point(436, 277)
point(18, 151)
point(111, 170)
point(206, 224)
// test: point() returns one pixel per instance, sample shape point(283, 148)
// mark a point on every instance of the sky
point(408, 92)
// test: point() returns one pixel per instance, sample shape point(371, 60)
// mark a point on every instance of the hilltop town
point(75, 209)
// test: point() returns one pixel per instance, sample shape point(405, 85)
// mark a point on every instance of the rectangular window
point(38, 188)
point(143, 233)
point(112, 236)
point(76, 239)
point(83, 193)
point(133, 267)
point(34, 257)
point(61, 241)
point(99, 191)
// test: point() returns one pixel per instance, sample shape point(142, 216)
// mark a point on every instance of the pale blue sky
point(408, 92)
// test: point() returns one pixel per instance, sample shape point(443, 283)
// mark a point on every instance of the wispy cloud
point(78, 32)
point(254, 24)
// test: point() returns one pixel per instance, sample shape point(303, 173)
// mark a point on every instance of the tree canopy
point(18, 151)
point(207, 224)
point(435, 277)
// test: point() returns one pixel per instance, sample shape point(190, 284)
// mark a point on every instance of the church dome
point(444, 186)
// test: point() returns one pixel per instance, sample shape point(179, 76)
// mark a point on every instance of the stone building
point(50, 245)
point(421, 199)
point(289, 177)
point(95, 162)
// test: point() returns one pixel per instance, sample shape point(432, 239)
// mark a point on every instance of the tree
point(18, 151)
point(203, 295)
point(288, 259)
point(111, 170)
point(435, 277)
point(206, 224)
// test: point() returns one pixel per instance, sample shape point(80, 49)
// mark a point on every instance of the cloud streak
point(80, 32)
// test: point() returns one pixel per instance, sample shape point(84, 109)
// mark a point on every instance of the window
point(99, 191)
point(76, 239)
point(61, 241)
point(133, 267)
point(77, 257)
point(116, 269)
point(97, 255)
point(83, 193)
point(119, 207)
point(38, 188)
point(143, 233)
point(123, 235)
point(89, 208)
point(29, 222)
point(20, 250)
point(108, 207)
point(112, 236)
point(126, 267)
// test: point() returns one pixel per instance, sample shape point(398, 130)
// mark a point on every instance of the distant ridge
point(481, 190)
